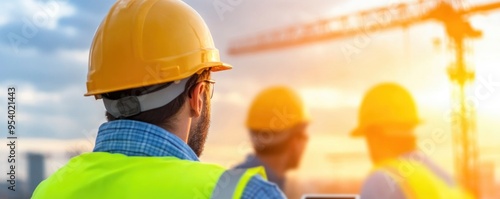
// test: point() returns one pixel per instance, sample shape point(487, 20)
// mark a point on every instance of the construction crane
point(452, 15)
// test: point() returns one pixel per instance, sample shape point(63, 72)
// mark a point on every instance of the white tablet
point(330, 196)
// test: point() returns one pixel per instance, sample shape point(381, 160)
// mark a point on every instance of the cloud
point(50, 25)
point(46, 72)
point(50, 68)
point(327, 98)
point(51, 55)
point(80, 57)
point(45, 14)
point(31, 97)
point(63, 113)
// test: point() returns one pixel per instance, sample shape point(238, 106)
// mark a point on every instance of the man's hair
point(268, 149)
point(161, 116)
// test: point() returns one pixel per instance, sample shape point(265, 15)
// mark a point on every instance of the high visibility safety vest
point(106, 175)
point(417, 181)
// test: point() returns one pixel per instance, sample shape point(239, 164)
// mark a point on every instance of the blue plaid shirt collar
point(135, 138)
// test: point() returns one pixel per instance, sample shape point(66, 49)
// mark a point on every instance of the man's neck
point(181, 124)
point(277, 163)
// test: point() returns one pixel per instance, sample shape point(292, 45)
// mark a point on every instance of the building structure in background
point(452, 14)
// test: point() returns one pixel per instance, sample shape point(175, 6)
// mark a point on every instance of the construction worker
point(150, 63)
point(277, 123)
point(387, 119)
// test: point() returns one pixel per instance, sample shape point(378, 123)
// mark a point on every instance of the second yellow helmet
point(276, 109)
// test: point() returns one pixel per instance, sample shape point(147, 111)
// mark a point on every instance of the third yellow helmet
point(386, 104)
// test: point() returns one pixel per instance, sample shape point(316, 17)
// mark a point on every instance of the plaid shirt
point(253, 161)
point(134, 138)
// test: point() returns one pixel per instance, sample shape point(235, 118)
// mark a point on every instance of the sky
point(44, 51)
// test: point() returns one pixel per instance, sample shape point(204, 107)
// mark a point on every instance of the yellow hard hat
point(386, 104)
point(143, 43)
point(276, 109)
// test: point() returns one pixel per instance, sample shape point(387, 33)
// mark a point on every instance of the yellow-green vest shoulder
point(106, 175)
point(417, 181)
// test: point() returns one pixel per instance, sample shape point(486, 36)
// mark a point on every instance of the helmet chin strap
point(133, 105)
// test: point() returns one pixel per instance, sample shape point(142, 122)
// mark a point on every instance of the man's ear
point(196, 100)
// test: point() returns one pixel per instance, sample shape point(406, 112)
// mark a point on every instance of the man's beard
point(198, 132)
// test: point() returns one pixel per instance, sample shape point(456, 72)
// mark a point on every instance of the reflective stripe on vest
point(227, 184)
point(417, 181)
point(106, 175)
point(232, 182)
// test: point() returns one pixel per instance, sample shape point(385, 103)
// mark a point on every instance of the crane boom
point(394, 16)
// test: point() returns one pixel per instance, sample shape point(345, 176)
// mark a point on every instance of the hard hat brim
point(220, 67)
point(214, 67)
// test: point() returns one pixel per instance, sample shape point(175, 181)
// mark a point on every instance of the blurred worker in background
point(277, 122)
point(150, 62)
point(387, 119)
